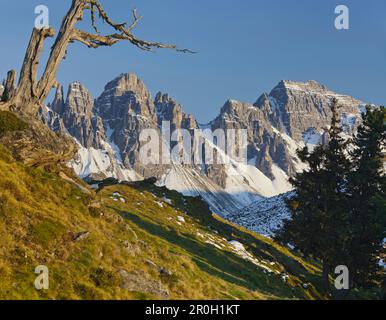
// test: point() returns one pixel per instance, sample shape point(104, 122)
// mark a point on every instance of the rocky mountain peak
point(266, 147)
point(75, 116)
point(232, 106)
point(57, 104)
point(79, 100)
point(294, 107)
point(169, 110)
point(128, 82)
point(309, 86)
point(126, 96)
point(164, 103)
point(162, 98)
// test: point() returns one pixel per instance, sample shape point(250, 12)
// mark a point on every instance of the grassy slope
point(41, 214)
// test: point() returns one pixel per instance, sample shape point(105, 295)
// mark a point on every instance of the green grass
point(218, 264)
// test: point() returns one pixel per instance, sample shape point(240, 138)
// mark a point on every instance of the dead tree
point(30, 93)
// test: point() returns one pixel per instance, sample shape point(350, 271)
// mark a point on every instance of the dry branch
point(93, 40)
point(125, 33)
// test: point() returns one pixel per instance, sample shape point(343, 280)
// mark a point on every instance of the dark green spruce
point(339, 207)
point(367, 197)
point(320, 224)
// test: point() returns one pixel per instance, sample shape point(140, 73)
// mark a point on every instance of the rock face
point(265, 145)
point(1, 91)
point(108, 133)
point(294, 107)
point(127, 109)
point(169, 110)
point(78, 116)
point(75, 115)
point(57, 105)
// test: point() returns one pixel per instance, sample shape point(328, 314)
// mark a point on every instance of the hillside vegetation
point(132, 241)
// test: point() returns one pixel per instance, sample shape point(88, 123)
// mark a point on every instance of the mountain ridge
point(107, 129)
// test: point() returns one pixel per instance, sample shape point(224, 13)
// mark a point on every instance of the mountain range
point(107, 130)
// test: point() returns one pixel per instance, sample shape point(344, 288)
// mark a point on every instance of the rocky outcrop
point(36, 145)
point(137, 282)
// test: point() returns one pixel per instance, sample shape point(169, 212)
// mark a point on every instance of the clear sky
point(245, 48)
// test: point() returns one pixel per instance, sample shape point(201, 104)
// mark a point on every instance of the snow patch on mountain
point(245, 184)
point(312, 138)
point(191, 182)
point(89, 162)
point(265, 216)
point(243, 178)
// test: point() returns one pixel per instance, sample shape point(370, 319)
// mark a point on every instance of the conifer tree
point(320, 221)
point(367, 196)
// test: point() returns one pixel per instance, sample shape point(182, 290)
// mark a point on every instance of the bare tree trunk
point(48, 80)
point(26, 91)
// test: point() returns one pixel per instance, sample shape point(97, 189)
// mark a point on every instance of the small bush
point(170, 279)
point(104, 278)
point(9, 122)
point(86, 292)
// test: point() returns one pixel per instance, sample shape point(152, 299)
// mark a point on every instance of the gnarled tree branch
point(94, 40)
point(125, 33)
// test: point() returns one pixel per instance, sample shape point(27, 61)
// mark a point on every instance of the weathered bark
point(26, 90)
point(30, 94)
point(48, 80)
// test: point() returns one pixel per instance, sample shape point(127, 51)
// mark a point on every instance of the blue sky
point(245, 48)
